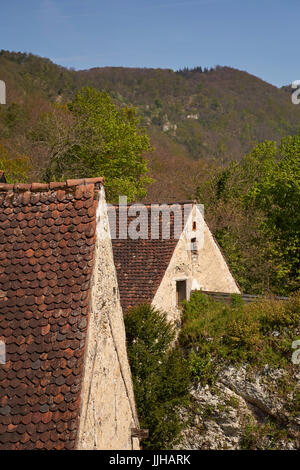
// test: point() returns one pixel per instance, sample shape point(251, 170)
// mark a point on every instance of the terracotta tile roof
point(47, 239)
point(142, 263)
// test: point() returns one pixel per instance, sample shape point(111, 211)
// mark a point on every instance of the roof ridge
point(55, 185)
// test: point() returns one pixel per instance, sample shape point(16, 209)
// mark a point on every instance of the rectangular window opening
point(180, 292)
point(194, 246)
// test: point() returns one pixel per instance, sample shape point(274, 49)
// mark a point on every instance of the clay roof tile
point(44, 297)
point(141, 263)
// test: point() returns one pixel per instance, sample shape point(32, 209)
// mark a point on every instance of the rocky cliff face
point(245, 409)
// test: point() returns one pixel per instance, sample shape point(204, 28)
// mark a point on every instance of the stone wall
point(206, 270)
point(108, 410)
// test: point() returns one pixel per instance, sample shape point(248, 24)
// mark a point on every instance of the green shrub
point(258, 333)
point(266, 436)
point(161, 376)
point(237, 300)
point(201, 368)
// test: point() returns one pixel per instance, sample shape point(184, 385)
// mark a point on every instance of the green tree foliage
point(160, 375)
point(234, 107)
point(16, 168)
point(92, 137)
point(254, 210)
point(258, 333)
point(277, 194)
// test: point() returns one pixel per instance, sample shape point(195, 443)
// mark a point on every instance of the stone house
point(65, 381)
point(162, 268)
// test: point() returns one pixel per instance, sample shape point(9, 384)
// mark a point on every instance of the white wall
point(108, 409)
point(206, 270)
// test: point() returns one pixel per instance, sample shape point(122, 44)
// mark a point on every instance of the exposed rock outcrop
point(245, 409)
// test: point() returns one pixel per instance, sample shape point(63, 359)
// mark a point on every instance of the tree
point(278, 195)
point(160, 375)
point(253, 208)
point(92, 137)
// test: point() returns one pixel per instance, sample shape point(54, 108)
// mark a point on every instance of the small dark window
point(194, 226)
point(194, 246)
point(180, 291)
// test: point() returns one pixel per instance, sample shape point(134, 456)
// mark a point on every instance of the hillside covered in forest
point(221, 136)
point(216, 112)
point(195, 118)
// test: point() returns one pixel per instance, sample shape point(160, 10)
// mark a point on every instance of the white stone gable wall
point(108, 410)
point(206, 270)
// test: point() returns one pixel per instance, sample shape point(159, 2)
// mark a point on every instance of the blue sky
point(259, 36)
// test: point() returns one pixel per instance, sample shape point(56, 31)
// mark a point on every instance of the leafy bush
point(264, 436)
point(258, 333)
point(201, 368)
point(161, 376)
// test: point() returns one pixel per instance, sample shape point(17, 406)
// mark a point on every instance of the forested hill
point(203, 114)
point(198, 120)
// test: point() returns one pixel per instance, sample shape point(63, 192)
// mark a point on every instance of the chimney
point(2, 177)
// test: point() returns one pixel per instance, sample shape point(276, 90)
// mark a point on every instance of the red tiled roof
point(47, 240)
point(141, 264)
